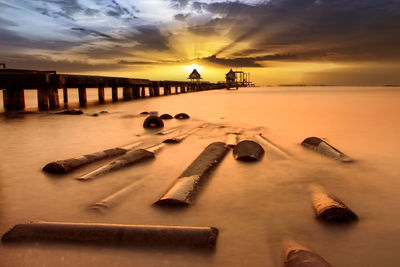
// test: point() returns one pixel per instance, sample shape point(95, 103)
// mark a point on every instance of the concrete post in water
point(272, 150)
point(329, 208)
point(67, 165)
point(185, 188)
point(156, 89)
point(326, 149)
point(136, 91)
point(65, 96)
point(176, 89)
point(232, 139)
point(114, 91)
point(101, 94)
point(143, 91)
point(296, 255)
point(140, 235)
point(14, 99)
point(248, 150)
point(151, 90)
point(82, 96)
point(43, 99)
point(129, 159)
point(54, 102)
point(127, 93)
point(183, 88)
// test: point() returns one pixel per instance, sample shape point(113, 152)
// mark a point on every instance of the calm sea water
point(255, 206)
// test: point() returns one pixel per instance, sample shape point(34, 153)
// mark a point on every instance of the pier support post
point(143, 91)
point(151, 90)
point(156, 89)
point(183, 88)
point(54, 102)
point(167, 89)
point(127, 93)
point(14, 99)
point(176, 89)
point(101, 94)
point(136, 91)
point(114, 90)
point(82, 96)
point(43, 99)
point(65, 96)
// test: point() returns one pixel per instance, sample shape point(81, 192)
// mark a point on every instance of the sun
point(193, 66)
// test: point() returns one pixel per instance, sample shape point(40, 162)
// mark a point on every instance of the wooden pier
point(13, 82)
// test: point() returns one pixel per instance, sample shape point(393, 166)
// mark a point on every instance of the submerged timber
point(13, 82)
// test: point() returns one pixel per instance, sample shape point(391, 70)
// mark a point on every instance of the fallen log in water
point(180, 138)
point(116, 197)
point(141, 235)
point(296, 255)
point(185, 188)
point(271, 149)
point(67, 165)
point(329, 208)
point(326, 149)
point(129, 159)
point(247, 150)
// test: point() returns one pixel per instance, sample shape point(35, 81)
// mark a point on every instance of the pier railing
point(13, 82)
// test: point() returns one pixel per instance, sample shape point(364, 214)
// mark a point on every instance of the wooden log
point(180, 138)
point(248, 150)
point(329, 208)
point(319, 145)
point(232, 139)
point(182, 193)
point(140, 235)
point(111, 200)
point(114, 92)
point(67, 165)
point(127, 160)
point(296, 255)
point(272, 150)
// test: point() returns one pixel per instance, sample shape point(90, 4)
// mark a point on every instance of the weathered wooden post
point(82, 96)
point(127, 93)
point(114, 91)
point(101, 94)
point(43, 99)
point(65, 95)
point(14, 99)
point(157, 89)
point(136, 91)
point(54, 102)
point(143, 91)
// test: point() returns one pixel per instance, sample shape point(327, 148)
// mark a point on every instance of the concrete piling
point(65, 95)
point(272, 150)
point(14, 99)
point(329, 208)
point(82, 96)
point(319, 145)
point(114, 92)
point(129, 159)
point(182, 193)
point(232, 139)
point(143, 92)
point(54, 102)
point(127, 93)
point(296, 255)
point(248, 150)
point(43, 99)
point(119, 234)
point(100, 91)
point(68, 165)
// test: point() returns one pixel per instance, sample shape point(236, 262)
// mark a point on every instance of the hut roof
point(231, 74)
point(194, 75)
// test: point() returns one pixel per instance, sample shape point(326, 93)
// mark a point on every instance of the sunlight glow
point(192, 67)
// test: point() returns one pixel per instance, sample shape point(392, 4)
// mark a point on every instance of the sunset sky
point(278, 41)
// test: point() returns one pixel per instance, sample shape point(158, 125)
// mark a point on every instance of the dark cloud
point(149, 37)
point(247, 61)
point(126, 62)
point(107, 53)
point(213, 26)
point(5, 22)
point(182, 17)
point(116, 10)
point(84, 31)
point(179, 3)
point(361, 30)
point(46, 63)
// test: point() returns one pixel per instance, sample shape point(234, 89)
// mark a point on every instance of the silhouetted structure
point(237, 78)
point(195, 78)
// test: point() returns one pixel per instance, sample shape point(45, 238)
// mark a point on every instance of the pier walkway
point(13, 82)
